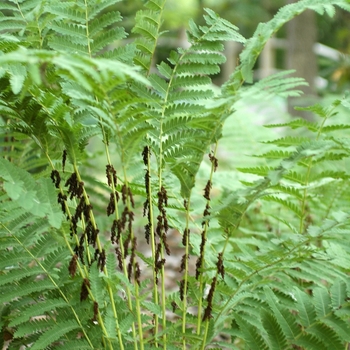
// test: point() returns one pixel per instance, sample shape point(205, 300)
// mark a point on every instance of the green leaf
point(304, 307)
point(55, 333)
point(276, 338)
point(283, 316)
point(322, 302)
point(250, 334)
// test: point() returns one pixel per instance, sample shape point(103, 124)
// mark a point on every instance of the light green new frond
point(276, 84)
point(260, 171)
point(288, 141)
point(33, 196)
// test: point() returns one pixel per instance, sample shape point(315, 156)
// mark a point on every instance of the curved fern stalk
point(254, 45)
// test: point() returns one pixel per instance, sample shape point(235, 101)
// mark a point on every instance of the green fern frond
point(275, 336)
point(288, 141)
point(260, 171)
point(329, 174)
point(82, 29)
point(55, 333)
point(251, 336)
point(308, 341)
point(335, 127)
point(147, 26)
point(277, 84)
point(288, 204)
point(27, 19)
point(8, 294)
point(295, 124)
point(275, 154)
point(283, 316)
point(37, 309)
point(327, 335)
point(305, 308)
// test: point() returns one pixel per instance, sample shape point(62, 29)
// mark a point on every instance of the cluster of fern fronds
point(102, 153)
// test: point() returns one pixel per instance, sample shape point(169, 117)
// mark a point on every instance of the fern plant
point(272, 265)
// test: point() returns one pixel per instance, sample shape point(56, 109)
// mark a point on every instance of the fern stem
point(186, 273)
point(128, 292)
point(115, 201)
point(153, 247)
point(99, 246)
point(204, 237)
point(83, 271)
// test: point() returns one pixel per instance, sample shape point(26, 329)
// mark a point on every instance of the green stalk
point(153, 248)
point(205, 231)
point(186, 273)
point(127, 289)
point(162, 272)
point(99, 247)
point(83, 271)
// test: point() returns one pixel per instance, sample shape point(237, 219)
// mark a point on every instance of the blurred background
point(317, 47)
